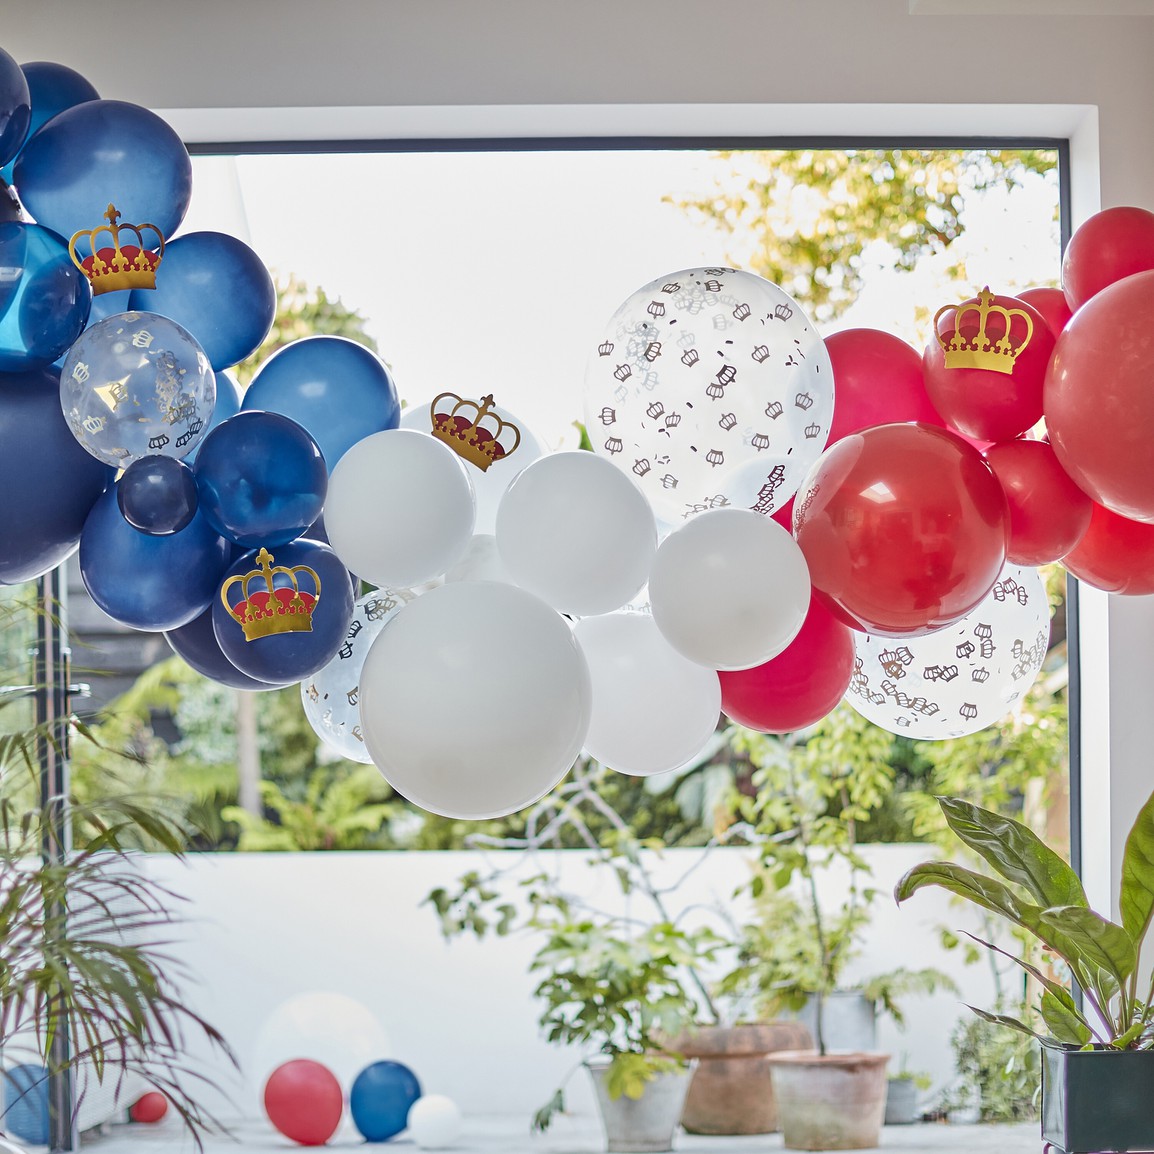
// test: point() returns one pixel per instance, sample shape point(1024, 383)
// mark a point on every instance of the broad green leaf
point(1063, 1021)
point(989, 893)
point(1016, 852)
point(1136, 898)
point(1088, 942)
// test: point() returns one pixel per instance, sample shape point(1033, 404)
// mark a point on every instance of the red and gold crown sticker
point(473, 430)
point(117, 266)
point(272, 610)
point(985, 335)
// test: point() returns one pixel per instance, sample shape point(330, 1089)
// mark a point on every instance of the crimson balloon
point(149, 1107)
point(1110, 245)
point(904, 528)
point(1115, 554)
point(303, 1100)
point(1052, 304)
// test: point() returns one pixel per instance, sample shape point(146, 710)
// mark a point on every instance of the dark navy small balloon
point(381, 1098)
point(157, 495)
point(52, 88)
point(15, 107)
point(197, 645)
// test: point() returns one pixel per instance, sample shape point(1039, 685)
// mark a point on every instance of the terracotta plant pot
point(732, 1091)
point(829, 1102)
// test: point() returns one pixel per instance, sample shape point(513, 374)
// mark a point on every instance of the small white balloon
point(434, 1122)
point(481, 562)
point(399, 509)
point(962, 678)
point(577, 532)
point(653, 709)
point(475, 701)
point(730, 589)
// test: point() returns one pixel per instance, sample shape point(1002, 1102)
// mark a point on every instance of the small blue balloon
point(197, 645)
point(381, 1098)
point(26, 1104)
point(51, 88)
point(15, 107)
point(337, 389)
point(261, 478)
point(157, 495)
point(283, 613)
point(104, 152)
point(49, 483)
point(44, 298)
point(145, 582)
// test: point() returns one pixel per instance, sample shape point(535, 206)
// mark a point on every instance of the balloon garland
point(851, 520)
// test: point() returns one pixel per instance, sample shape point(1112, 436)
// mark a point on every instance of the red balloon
point(1115, 555)
point(1112, 244)
point(303, 1100)
point(1048, 512)
point(1052, 304)
point(1099, 397)
point(987, 404)
point(150, 1107)
point(877, 380)
point(800, 685)
point(904, 528)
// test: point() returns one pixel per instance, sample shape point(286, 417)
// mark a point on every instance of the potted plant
point(1097, 1056)
point(902, 1090)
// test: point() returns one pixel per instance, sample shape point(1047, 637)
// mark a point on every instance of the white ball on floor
point(434, 1122)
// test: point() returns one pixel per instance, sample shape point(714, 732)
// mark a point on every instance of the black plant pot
point(1097, 1100)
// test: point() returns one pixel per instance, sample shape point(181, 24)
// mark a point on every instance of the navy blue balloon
point(216, 287)
point(261, 478)
point(51, 88)
point(48, 481)
point(26, 1104)
point(381, 1098)
point(227, 405)
point(157, 495)
point(288, 654)
point(103, 306)
point(44, 301)
point(102, 152)
point(146, 582)
point(196, 643)
point(337, 389)
point(15, 107)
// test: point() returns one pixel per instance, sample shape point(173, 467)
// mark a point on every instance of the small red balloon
point(1052, 304)
point(1110, 245)
point(303, 1100)
point(1048, 512)
point(904, 528)
point(987, 404)
point(1115, 555)
point(877, 380)
point(800, 685)
point(150, 1107)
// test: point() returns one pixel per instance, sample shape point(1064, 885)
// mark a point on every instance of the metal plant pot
point(901, 1102)
point(644, 1125)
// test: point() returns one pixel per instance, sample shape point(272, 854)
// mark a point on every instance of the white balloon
point(713, 388)
point(481, 562)
point(476, 700)
point(488, 484)
point(577, 532)
point(399, 509)
point(434, 1122)
point(730, 589)
point(962, 678)
point(653, 709)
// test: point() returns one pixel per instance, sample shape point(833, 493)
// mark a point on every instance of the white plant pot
point(646, 1124)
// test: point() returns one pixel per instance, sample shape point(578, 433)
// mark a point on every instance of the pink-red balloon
point(1048, 512)
point(303, 1100)
point(1110, 245)
point(987, 404)
point(904, 528)
point(1115, 555)
point(1052, 304)
point(1099, 397)
point(799, 686)
point(150, 1107)
point(877, 380)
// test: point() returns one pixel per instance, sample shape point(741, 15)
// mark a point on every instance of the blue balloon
point(44, 299)
point(103, 306)
point(227, 405)
point(381, 1098)
point(261, 478)
point(52, 88)
point(48, 481)
point(337, 389)
point(99, 153)
point(282, 614)
point(145, 582)
point(26, 1104)
point(15, 107)
point(216, 287)
point(197, 645)
point(157, 495)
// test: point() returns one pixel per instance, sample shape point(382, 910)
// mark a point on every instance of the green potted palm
point(1097, 1051)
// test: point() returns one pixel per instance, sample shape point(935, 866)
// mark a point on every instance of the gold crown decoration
point(118, 266)
point(461, 427)
point(978, 350)
point(273, 610)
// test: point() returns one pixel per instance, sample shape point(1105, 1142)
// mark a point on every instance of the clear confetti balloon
point(712, 388)
point(134, 385)
point(962, 678)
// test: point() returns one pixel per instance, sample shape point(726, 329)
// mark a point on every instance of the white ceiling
point(1032, 7)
